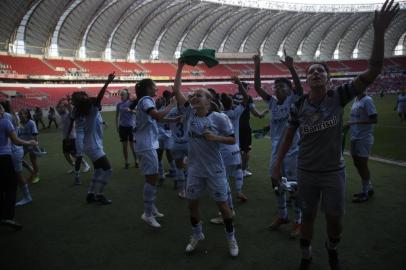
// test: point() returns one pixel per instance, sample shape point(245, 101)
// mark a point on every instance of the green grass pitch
point(63, 232)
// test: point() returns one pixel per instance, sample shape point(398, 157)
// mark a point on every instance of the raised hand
point(385, 16)
point(288, 62)
point(235, 79)
point(111, 77)
point(257, 59)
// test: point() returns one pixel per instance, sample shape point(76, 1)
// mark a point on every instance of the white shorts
point(360, 148)
point(17, 158)
point(179, 150)
point(94, 153)
point(231, 158)
point(216, 185)
point(148, 162)
point(231, 170)
point(165, 142)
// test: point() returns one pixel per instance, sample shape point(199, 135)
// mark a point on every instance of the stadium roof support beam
point(334, 36)
point(152, 29)
point(261, 31)
point(238, 34)
point(177, 30)
point(300, 31)
point(351, 37)
point(74, 26)
point(199, 29)
point(279, 34)
point(315, 36)
point(18, 46)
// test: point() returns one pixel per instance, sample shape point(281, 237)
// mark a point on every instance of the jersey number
point(180, 132)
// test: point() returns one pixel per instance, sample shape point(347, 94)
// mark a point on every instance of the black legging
point(8, 187)
point(50, 122)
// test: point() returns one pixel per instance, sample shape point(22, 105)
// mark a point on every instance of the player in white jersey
point(165, 140)
point(146, 144)
point(207, 131)
point(17, 155)
point(231, 154)
point(88, 108)
point(279, 107)
point(64, 109)
point(401, 106)
point(363, 116)
point(319, 118)
point(78, 127)
point(179, 149)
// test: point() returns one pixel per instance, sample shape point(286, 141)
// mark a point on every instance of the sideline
point(400, 163)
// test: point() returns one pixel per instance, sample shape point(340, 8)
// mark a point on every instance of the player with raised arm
point(208, 129)
point(87, 109)
point(319, 118)
point(279, 107)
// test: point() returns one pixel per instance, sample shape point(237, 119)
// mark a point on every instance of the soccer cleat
point(86, 168)
point(219, 219)
point(233, 247)
point(241, 197)
point(361, 198)
point(102, 199)
point(24, 201)
point(12, 224)
point(246, 173)
point(278, 222)
point(295, 230)
point(181, 195)
point(371, 193)
point(157, 214)
point(333, 259)
point(151, 221)
point(35, 180)
point(90, 198)
point(193, 242)
point(305, 264)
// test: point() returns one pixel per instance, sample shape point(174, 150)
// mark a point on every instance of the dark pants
point(8, 187)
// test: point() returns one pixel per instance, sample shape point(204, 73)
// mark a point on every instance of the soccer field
point(62, 232)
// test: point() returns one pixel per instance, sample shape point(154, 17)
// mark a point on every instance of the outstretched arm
point(159, 115)
point(241, 89)
point(382, 20)
point(257, 78)
point(181, 99)
point(288, 62)
point(100, 96)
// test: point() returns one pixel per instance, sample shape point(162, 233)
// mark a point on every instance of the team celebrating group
point(207, 139)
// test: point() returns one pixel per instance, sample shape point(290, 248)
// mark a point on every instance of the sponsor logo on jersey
point(321, 126)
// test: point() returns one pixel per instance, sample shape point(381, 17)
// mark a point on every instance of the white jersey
point(361, 110)
point(205, 159)
point(234, 116)
point(179, 130)
point(146, 133)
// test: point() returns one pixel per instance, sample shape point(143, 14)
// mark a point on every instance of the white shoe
point(86, 168)
point(24, 201)
point(233, 247)
point(157, 214)
point(219, 219)
point(151, 221)
point(247, 173)
point(193, 242)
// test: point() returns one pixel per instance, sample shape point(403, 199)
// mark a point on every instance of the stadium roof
point(160, 29)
